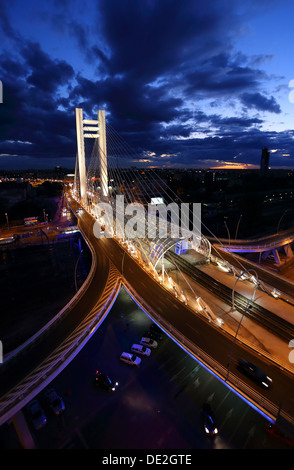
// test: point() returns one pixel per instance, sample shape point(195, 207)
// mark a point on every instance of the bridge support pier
point(95, 129)
point(288, 251)
point(81, 155)
point(102, 153)
point(275, 254)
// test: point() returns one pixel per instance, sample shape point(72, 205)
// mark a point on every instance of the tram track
point(262, 316)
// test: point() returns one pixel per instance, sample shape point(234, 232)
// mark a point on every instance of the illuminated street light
point(76, 270)
point(7, 220)
point(278, 227)
point(243, 313)
point(237, 228)
point(227, 230)
point(242, 275)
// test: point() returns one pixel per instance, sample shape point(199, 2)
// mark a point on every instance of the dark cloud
point(164, 71)
point(261, 102)
point(45, 73)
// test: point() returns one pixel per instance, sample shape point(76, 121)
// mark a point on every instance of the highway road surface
point(216, 343)
point(14, 371)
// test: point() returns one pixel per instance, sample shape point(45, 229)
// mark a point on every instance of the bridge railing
point(263, 247)
point(257, 244)
point(254, 398)
point(280, 235)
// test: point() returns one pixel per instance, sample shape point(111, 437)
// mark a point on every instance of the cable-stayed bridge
point(133, 222)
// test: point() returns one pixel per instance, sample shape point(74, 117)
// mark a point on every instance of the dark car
point(209, 423)
point(254, 373)
point(55, 402)
point(37, 414)
point(154, 327)
point(105, 382)
point(154, 332)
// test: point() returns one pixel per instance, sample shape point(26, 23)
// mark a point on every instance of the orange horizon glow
point(235, 166)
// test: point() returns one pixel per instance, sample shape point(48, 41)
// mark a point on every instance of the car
point(254, 373)
point(154, 327)
point(274, 431)
point(209, 424)
point(55, 402)
point(153, 334)
point(150, 343)
point(130, 359)
point(140, 349)
point(105, 381)
point(37, 414)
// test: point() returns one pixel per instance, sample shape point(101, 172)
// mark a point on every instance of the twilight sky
point(189, 83)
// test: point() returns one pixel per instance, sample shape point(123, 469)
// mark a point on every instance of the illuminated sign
point(157, 200)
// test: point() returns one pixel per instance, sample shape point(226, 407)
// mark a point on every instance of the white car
point(55, 402)
point(150, 343)
point(130, 359)
point(140, 349)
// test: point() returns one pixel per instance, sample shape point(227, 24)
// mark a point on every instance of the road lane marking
point(192, 328)
point(178, 373)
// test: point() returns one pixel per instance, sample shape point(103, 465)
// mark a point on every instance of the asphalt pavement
point(157, 406)
point(207, 337)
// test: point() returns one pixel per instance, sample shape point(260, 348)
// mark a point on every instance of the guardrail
point(255, 399)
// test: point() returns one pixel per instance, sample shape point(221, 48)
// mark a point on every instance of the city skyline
point(193, 86)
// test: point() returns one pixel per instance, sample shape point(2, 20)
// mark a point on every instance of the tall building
point(264, 161)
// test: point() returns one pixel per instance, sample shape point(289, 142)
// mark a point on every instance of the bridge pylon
point(91, 129)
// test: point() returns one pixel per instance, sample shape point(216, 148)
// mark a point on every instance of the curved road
point(210, 339)
point(198, 331)
point(21, 365)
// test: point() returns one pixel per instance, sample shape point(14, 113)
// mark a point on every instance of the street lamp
point(278, 227)
point(227, 230)
point(7, 220)
point(76, 270)
point(237, 228)
point(242, 316)
point(239, 277)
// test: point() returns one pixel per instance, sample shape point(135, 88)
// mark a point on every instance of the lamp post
point(122, 262)
point(7, 220)
point(76, 270)
point(242, 316)
point(238, 277)
point(278, 227)
point(237, 228)
point(227, 230)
